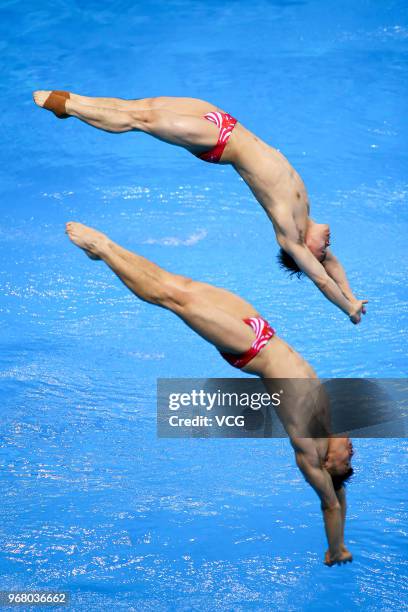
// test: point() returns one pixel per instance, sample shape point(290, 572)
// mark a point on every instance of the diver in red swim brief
point(217, 316)
point(214, 136)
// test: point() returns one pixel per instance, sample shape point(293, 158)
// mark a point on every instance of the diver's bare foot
point(40, 97)
point(94, 243)
point(52, 100)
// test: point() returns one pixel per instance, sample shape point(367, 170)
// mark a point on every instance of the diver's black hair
point(338, 481)
point(286, 262)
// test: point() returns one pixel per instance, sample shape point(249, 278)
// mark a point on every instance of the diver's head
point(338, 460)
point(317, 239)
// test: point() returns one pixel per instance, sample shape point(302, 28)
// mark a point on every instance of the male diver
point(216, 137)
point(247, 341)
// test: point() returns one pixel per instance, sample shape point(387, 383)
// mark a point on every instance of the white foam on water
point(175, 241)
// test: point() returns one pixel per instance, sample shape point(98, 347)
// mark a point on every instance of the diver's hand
point(357, 309)
point(342, 557)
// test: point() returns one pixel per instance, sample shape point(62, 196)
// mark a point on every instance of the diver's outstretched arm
point(333, 517)
point(308, 263)
point(336, 271)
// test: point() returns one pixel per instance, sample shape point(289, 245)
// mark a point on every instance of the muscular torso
point(273, 181)
point(304, 410)
point(304, 413)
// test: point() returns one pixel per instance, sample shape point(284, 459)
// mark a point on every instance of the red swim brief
point(263, 332)
point(226, 124)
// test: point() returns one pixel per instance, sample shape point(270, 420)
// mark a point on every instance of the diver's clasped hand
point(341, 558)
point(358, 309)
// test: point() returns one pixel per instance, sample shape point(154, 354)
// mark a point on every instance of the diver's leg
point(152, 284)
point(194, 133)
point(186, 131)
point(221, 298)
point(115, 103)
point(183, 106)
point(180, 106)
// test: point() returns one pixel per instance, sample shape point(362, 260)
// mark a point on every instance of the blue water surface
point(92, 502)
